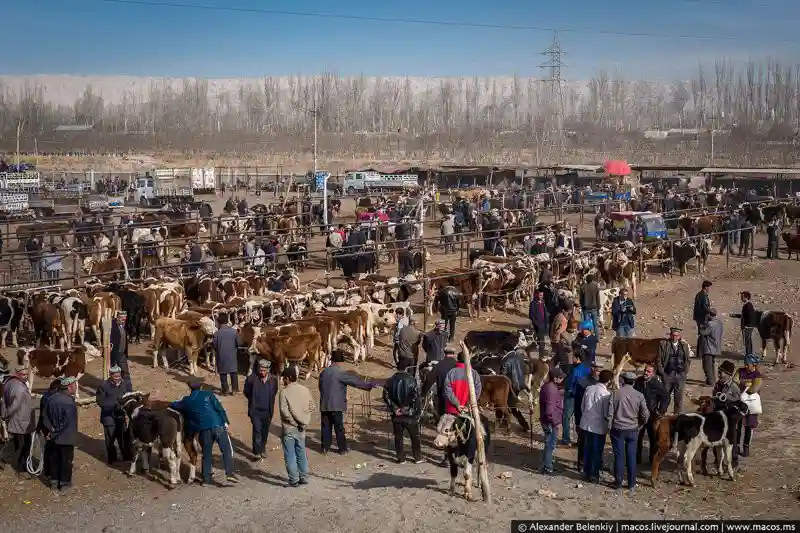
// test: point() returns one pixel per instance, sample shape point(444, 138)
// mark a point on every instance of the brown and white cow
point(47, 363)
point(190, 338)
point(775, 326)
point(101, 305)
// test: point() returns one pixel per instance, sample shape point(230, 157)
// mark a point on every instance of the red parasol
point(617, 168)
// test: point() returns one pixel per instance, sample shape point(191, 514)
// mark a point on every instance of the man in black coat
point(539, 314)
point(401, 396)
point(119, 345)
point(111, 415)
point(60, 424)
point(513, 368)
point(437, 377)
point(449, 300)
point(749, 321)
point(433, 342)
point(657, 401)
point(260, 389)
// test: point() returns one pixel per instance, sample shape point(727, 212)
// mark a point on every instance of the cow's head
point(736, 408)
point(207, 325)
point(451, 431)
point(90, 351)
point(87, 264)
point(131, 402)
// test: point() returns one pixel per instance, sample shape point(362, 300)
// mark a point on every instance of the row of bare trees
point(761, 95)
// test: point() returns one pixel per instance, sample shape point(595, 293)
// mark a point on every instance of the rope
point(36, 438)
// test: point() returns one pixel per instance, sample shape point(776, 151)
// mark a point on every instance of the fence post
point(671, 255)
point(75, 280)
point(378, 249)
point(327, 267)
point(425, 286)
point(480, 294)
point(641, 258)
point(728, 245)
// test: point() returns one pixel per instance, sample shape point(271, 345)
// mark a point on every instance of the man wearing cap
point(709, 345)
point(551, 415)
point(205, 417)
point(672, 366)
point(111, 415)
point(657, 400)
point(580, 369)
point(727, 386)
point(628, 413)
point(260, 390)
point(17, 412)
point(590, 301)
point(295, 405)
point(433, 342)
point(119, 345)
point(226, 345)
point(400, 322)
point(438, 376)
point(60, 423)
point(586, 341)
point(702, 307)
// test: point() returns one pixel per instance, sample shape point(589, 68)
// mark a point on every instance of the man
point(772, 239)
point(408, 342)
point(456, 388)
point(725, 237)
point(672, 366)
point(513, 367)
point(559, 342)
point(18, 415)
point(437, 377)
point(449, 300)
point(710, 344)
point(295, 405)
point(401, 396)
point(47, 462)
point(628, 413)
point(623, 315)
point(204, 415)
point(540, 319)
point(52, 265)
point(551, 414)
point(749, 321)
point(701, 309)
point(333, 383)
point(585, 340)
point(260, 389)
point(119, 345)
point(580, 390)
point(34, 250)
point(195, 257)
point(448, 230)
point(580, 369)
point(590, 301)
point(433, 342)
point(657, 401)
point(400, 321)
point(111, 415)
point(500, 248)
point(726, 385)
point(60, 424)
point(249, 251)
point(595, 407)
point(226, 345)
point(746, 236)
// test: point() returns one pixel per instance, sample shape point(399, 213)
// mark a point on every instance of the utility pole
point(553, 67)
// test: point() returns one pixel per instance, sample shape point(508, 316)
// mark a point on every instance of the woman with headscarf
point(749, 379)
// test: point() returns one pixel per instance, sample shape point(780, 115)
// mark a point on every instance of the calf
point(638, 351)
point(494, 342)
point(717, 429)
point(456, 436)
point(72, 313)
point(775, 325)
point(187, 337)
point(496, 391)
point(792, 244)
point(154, 428)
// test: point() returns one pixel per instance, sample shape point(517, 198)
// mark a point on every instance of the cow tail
point(124, 263)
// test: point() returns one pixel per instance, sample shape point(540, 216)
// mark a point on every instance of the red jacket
point(456, 388)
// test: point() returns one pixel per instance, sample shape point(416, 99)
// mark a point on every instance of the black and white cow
point(456, 436)
point(494, 342)
point(73, 315)
point(11, 311)
point(693, 431)
point(297, 253)
point(154, 428)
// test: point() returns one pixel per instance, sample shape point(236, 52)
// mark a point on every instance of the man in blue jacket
point(60, 423)
point(623, 315)
point(580, 369)
point(205, 415)
point(260, 389)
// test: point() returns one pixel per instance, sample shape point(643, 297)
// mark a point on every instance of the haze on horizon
point(250, 38)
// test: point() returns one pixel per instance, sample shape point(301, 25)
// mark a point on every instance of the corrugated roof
point(586, 168)
point(665, 168)
point(725, 170)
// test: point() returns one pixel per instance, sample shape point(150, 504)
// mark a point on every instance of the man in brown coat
point(558, 339)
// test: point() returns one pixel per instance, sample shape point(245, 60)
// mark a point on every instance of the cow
point(682, 253)
point(134, 306)
point(154, 428)
point(187, 229)
point(775, 326)
point(108, 269)
point(179, 334)
point(228, 248)
point(638, 351)
point(11, 312)
point(46, 320)
point(703, 246)
point(73, 314)
point(494, 342)
point(692, 431)
point(606, 301)
point(792, 244)
point(294, 349)
point(497, 392)
point(103, 305)
point(456, 435)
point(47, 363)
point(297, 253)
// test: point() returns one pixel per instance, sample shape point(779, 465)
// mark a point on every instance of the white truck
point(356, 182)
point(19, 181)
point(163, 186)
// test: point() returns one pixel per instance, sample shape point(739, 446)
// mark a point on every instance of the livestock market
point(565, 346)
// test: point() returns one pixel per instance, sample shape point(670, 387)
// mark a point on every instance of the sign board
point(320, 180)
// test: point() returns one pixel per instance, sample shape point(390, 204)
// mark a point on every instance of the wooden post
point(75, 280)
point(480, 294)
point(671, 255)
point(105, 334)
point(425, 288)
point(641, 258)
point(728, 236)
point(483, 467)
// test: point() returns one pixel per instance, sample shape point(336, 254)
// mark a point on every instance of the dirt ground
point(366, 490)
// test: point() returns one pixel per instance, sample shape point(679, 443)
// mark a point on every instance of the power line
point(431, 22)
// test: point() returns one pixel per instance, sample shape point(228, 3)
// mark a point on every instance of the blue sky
point(92, 37)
